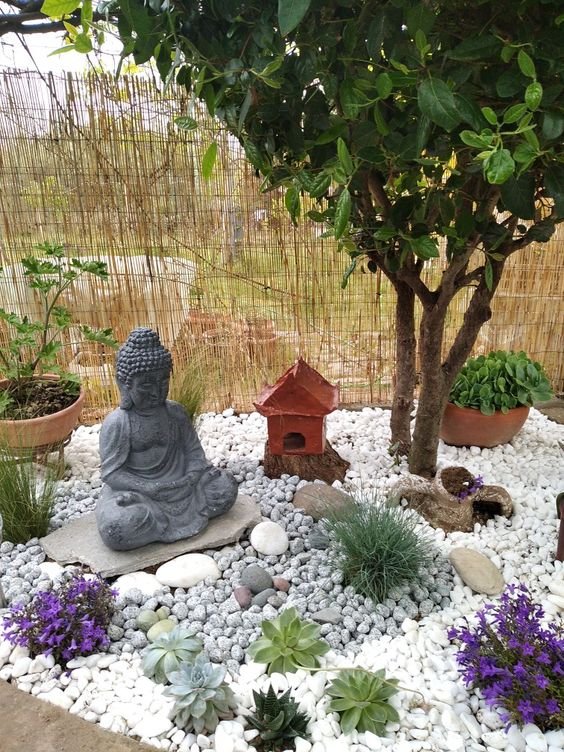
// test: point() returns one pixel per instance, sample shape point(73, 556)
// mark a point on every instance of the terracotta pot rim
point(496, 412)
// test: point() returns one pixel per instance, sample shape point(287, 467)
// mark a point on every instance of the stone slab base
point(79, 542)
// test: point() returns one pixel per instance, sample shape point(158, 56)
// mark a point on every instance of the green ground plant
point(201, 695)
point(500, 381)
point(278, 720)
point(288, 643)
point(27, 493)
point(361, 698)
point(377, 546)
point(168, 652)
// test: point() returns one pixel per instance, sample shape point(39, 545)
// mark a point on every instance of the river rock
point(243, 596)
point(161, 627)
point(147, 583)
point(477, 571)
point(256, 578)
point(187, 570)
point(327, 616)
point(269, 539)
point(320, 500)
point(261, 599)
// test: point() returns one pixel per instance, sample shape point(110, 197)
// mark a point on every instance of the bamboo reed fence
point(215, 265)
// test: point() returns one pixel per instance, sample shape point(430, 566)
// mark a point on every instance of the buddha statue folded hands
point(158, 485)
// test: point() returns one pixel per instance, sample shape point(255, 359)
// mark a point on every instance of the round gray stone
point(256, 579)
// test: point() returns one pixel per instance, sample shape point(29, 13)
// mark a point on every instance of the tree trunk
point(438, 377)
point(405, 375)
point(433, 394)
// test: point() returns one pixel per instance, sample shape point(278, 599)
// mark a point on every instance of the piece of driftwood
point(328, 466)
point(435, 501)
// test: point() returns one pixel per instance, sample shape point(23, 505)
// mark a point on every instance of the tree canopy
point(415, 124)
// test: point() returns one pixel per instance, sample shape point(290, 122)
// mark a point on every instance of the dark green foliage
point(288, 643)
point(278, 720)
point(361, 699)
point(500, 381)
point(377, 547)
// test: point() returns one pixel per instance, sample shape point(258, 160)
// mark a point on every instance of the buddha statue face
point(149, 390)
point(143, 368)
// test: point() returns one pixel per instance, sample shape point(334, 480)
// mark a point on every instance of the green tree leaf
point(344, 156)
point(185, 123)
point(57, 8)
point(342, 213)
point(518, 195)
point(290, 13)
point(208, 160)
point(499, 167)
point(424, 247)
point(292, 203)
point(526, 64)
point(555, 186)
point(437, 101)
point(533, 95)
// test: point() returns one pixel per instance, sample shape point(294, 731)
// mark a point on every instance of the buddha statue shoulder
point(157, 483)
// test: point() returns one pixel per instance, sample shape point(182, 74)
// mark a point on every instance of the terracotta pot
point(465, 426)
point(46, 430)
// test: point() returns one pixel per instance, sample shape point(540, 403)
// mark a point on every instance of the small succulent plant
point(361, 699)
point(202, 697)
point(277, 719)
point(288, 643)
point(168, 651)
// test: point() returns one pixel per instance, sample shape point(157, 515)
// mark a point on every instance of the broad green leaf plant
point(288, 643)
point(33, 345)
point(422, 128)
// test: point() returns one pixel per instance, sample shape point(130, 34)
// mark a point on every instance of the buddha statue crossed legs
point(158, 485)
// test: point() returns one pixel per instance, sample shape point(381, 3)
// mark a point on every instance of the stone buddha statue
point(158, 485)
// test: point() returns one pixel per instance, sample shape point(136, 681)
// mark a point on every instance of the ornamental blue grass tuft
point(68, 621)
point(516, 662)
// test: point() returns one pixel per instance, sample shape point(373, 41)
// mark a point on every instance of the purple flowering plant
point(67, 621)
point(470, 487)
point(515, 661)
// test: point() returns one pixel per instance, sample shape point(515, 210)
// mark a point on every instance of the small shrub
point(201, 696)
point(168, 651)
point(26, 496)
point(278, 720)
point(377, 547)
point(515, 661)
point(68, 621)
point(361, 699)
point(288, 643)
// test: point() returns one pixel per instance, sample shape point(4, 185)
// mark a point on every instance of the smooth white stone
point(496, 739)
point(147, 583)
point(556, 587)
point(21, 667)
point(41, 663)
point(223, 740)
point(53, 570)
point(302, 745)
point(472, 725)
point(18, 652)
point(152, 725)
point(516, 739)
point(536, 743)
point(269, 538)
point(203, 742)
point(57, 697)
point(187, 570)
point(98, 705)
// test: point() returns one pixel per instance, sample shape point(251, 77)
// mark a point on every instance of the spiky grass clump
point(377, 547)
point(27, 495)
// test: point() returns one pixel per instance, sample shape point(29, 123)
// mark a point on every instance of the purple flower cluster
point(476, 484)
point(65, 622)
point(516, 662)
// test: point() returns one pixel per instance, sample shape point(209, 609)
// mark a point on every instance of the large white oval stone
point(269, 539)
point(187, 570)
point(143, 581)
point(477, 571)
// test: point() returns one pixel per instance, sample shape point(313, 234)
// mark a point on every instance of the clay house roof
point(299, 391)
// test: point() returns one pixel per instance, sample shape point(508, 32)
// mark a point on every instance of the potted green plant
point(39, 401)
point(490, 399)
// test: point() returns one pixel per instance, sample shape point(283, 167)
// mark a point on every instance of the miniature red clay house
point(295, 408)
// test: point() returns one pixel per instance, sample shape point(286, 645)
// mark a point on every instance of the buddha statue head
point(143, 368)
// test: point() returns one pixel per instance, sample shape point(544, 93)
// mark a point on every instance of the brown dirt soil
point(33, 399)
point(33, 725)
